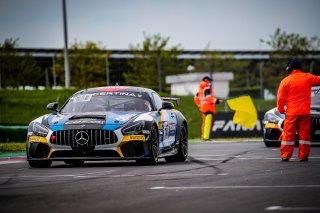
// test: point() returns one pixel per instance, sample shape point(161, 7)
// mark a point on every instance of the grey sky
point(223, 24)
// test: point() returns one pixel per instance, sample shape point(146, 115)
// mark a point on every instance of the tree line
point(152, 60)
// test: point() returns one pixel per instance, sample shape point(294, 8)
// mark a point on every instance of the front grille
point(83, 137)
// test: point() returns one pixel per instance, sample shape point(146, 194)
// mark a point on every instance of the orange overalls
point(206, 103)
point(293, 99)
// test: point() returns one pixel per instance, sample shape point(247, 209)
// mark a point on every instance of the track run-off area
point(217, 177)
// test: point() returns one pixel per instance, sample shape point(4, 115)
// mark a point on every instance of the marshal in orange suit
point(206, 101)
point(293, 99)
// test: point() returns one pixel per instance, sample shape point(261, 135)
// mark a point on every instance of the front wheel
point(182, 154)
point(40, 151)
point(153, 148)
point(271, 144)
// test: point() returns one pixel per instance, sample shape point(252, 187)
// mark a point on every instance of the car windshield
point(104, 102)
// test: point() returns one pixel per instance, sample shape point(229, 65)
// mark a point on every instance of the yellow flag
point(245, 111)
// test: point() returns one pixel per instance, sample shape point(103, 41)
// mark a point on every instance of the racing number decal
point(168, 127)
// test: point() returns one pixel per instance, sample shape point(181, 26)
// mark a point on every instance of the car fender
point(181, 120)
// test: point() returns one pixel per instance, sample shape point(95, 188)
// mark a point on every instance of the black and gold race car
point(109, 123)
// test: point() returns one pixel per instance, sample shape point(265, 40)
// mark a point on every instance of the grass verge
point(12, 147)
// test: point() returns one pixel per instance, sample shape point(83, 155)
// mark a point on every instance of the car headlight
point(135, 128)
point(39, 129)
point(271, 118)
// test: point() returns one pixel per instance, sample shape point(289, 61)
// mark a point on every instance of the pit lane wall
point(223, 127)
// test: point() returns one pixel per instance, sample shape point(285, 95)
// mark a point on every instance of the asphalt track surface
point(217, 177)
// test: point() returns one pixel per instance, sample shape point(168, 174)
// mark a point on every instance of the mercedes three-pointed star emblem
point(82, 138)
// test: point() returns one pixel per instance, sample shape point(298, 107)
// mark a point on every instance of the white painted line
point(167, 175)
point(90, 173)
point(120, 176)
point(278, 158)
point(81, 175)
point(11, 161)
point(208, 155)
point(222, 174)
point(174, 175)
point(233, 187)
point(157, 187)
point(282, 208)
point(208, 159)
point(249, 158)
point(77, 176)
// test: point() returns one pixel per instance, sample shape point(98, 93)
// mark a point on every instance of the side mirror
point(167, 105)
point(53, 106)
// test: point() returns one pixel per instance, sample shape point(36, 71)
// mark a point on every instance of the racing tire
point(182, 154)
point(272, 144)
point(42, 152)
point(153, 148)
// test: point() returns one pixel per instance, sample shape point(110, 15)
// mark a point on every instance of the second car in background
point(273, 122)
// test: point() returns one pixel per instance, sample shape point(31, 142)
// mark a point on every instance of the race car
point(273, 123)
point(109, 123)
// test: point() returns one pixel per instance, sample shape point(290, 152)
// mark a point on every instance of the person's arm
point(218, 101)
point(315, 80)
point(281, 98)
point(196, 100)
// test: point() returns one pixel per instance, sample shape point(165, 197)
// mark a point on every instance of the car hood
point(106, 119)
point(314, 110)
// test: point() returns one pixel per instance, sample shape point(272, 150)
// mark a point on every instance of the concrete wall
point(187, 84)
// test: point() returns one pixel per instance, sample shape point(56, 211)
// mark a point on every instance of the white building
point(188, 84)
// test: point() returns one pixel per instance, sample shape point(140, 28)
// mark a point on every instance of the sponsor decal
point(137, 137)
point(133, 138)
point(85, 121)
point(147, 132)
point(81, 98)
point(228, 125)
point(173, 126)
point(56, 119)
point(110, 89)
point(118, 94)
point(271, 125)
point(37, 139)
point(224, 127)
